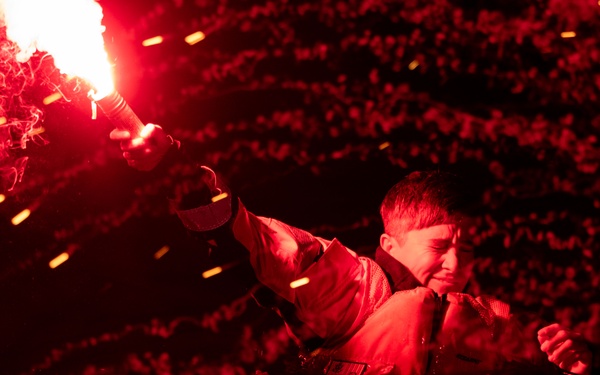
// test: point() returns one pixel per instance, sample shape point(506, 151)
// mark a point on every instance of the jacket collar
point(399, 277)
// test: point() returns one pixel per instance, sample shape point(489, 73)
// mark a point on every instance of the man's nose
point(451, 259)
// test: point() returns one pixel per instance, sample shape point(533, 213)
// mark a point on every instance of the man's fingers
point(560, 352)
point(565, 349)
point(548, 331)
point(120, 135)
point(145, 150)
point(124, 135)
point(138, 153)
point(147, 131)
point(136, 144)
point(553, 342)
point(567, 360)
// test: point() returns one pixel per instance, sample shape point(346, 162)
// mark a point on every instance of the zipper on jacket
point(436, 325)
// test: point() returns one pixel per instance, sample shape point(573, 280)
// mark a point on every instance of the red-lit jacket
point(371, 321)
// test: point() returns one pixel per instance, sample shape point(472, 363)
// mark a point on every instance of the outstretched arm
point(342, 289)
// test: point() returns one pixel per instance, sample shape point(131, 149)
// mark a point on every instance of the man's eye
point(464, 248)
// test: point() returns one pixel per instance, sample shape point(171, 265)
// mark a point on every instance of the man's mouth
point(447, 280)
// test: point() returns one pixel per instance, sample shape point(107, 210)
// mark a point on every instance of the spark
point(219, 197)
point(37, 131)
point(212, 272)
point(163, 250)
point(194, 38)
point(153, 41)
point(58, 260)
point(52, 98)
point(2, 198)
point(300, 282)
point(384, 145)
point(3, 120)
point(21, 216)
point(568, 34)
point(413, 65)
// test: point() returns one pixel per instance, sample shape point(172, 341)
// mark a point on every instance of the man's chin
point(444, 287)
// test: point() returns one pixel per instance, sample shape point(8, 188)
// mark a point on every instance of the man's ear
point(386, 242)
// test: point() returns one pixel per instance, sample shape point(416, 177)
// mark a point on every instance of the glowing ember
point(384, 145)
point(300, 282)
point(160, 253)
point(568, 34)
point(21, 217)
point(59, 260)
point(413, 65)
point(219, 197)
point(52, 98)
point(194, 38)
point(70, 30)
point(2, 198)
point(37, 131)
point(212, 272)
point(3, 120)
point(153, 41)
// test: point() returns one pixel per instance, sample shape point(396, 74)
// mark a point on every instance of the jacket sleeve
point(340, 288)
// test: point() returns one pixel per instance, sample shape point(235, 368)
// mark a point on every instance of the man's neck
point(399, 277)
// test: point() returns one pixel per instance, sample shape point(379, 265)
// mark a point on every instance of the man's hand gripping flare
point(146, 151)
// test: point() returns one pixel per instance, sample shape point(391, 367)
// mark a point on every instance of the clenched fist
point(146, 151)
point(565, 348)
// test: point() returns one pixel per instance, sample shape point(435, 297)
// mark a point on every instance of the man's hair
point(422, 200)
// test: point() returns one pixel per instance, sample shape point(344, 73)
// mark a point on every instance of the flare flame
point(69, 30)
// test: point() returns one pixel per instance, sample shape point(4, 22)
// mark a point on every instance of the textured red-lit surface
point(294, 103)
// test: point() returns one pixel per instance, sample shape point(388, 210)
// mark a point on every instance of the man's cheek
point(467, 269)
point(467, 261)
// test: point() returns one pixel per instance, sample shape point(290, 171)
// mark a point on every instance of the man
point(403, 313)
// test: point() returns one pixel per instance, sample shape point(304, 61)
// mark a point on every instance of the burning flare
point(69, 30)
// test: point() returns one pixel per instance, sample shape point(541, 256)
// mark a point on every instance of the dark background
point(310, 111)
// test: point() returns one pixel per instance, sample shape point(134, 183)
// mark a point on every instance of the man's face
point(436, 256)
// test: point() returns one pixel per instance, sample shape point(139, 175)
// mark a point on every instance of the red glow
point(70, 30)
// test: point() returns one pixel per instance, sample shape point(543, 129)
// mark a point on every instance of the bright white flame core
point(70, 30)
